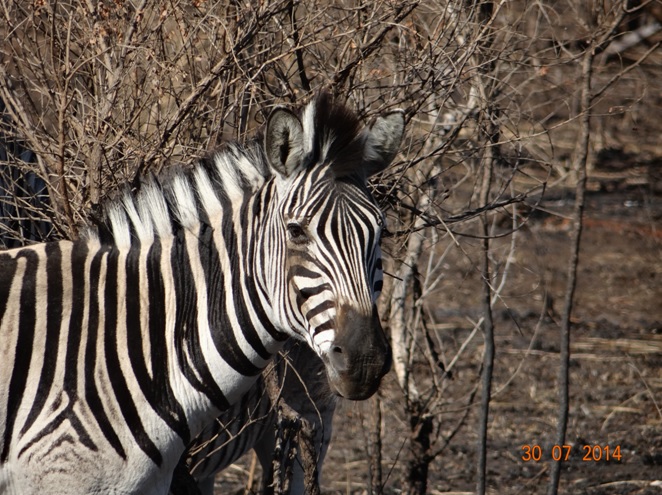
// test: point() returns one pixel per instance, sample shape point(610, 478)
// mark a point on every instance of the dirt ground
point(615, 427)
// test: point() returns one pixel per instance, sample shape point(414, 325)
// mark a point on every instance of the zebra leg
point(264, 449)
point(183, 483)
point(206, 486)
point(304, 414)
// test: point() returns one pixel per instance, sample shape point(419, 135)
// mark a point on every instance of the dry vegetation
point(528, 121)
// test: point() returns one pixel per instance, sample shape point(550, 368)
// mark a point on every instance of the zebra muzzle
point(360, 355)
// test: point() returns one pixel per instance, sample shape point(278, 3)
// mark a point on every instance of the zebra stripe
point(120, 348)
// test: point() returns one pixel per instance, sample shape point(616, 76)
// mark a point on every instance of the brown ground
point(616, 369)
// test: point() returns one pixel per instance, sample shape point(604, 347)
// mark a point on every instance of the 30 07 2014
point(589, 453)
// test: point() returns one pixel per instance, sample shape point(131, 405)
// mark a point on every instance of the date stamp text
point(589, 453)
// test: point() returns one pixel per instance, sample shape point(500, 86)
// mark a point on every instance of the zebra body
point(119, 349)
point(252, 422)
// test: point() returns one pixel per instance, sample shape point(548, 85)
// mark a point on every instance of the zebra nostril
point(338, 358)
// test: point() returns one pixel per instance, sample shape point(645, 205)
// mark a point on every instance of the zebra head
point(330, 230)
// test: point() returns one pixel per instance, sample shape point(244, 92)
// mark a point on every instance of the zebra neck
point(266, 260)
point(224, 328)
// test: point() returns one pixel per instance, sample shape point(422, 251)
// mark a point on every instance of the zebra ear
point(383, 141)
point(283, 141)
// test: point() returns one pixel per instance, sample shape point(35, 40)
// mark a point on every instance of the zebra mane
point(187, 196)
point(332, 135)
point(178, 196)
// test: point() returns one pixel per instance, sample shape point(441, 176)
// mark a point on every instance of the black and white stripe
point(118, 349)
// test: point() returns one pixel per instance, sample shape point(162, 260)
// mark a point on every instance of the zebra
point(251, 423)
point(119, 348)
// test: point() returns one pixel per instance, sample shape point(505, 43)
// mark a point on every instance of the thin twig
point(580, 161)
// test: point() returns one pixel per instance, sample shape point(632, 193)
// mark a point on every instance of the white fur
point(308, 119)
point(248, 167)
point(152, 205)
point(206, 193)
point(142, 225)
point(119, 225)
point(184, 202)
point(227, 169)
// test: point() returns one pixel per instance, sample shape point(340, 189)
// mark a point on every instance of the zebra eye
point(296, 233)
